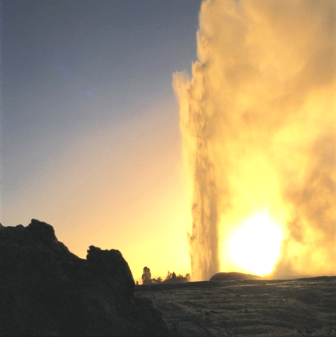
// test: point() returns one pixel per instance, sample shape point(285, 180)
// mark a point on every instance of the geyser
point(257, 118)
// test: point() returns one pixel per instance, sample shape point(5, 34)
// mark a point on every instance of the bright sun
point(255, 246)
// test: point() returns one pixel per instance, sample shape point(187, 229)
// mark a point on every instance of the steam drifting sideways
point(258, 124)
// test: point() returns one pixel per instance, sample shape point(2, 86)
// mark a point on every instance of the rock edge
point(46, 290)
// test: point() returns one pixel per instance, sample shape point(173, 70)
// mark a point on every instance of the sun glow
point(255, 246)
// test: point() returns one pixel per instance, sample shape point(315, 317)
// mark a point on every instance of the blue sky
point(87, 96)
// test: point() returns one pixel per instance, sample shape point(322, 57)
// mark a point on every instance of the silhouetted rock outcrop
point(48, 291)
point(234, 276)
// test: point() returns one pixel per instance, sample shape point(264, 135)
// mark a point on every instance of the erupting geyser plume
point(258, 125)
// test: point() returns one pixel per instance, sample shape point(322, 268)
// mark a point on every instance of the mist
point(257, 118)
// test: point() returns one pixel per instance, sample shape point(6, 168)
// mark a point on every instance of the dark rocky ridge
point(235, 276)
point(48, 291)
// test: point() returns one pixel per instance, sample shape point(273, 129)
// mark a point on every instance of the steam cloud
point(258, 124)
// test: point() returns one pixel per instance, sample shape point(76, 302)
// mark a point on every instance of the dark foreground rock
point(46, 290)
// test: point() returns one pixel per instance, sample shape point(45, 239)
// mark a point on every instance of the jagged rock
point(48, 291)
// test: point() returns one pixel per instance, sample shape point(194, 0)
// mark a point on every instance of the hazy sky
point(90, 138)
point(89, 124)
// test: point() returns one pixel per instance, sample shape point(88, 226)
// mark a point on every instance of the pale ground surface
point(305, 307)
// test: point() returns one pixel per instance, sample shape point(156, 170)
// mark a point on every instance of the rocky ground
point(301, 307)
